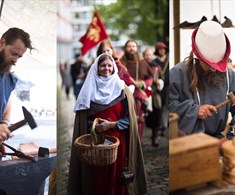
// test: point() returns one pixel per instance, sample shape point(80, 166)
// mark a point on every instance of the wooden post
point(176, 21)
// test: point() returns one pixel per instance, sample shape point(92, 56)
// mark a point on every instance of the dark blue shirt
point(7, 85)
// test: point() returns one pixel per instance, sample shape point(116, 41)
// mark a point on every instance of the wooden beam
point(176, 21)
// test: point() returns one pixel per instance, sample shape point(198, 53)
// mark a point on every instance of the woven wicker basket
point(96, 155)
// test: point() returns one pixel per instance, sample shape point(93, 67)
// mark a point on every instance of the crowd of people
point(126, 94)
point(130, 93)
point(145, 74)
point(134, 92)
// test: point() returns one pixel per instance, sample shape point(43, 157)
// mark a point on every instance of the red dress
point(105, 180)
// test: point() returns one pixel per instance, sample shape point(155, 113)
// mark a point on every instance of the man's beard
point(130, 56)
point(210, 79)
point(4, 66)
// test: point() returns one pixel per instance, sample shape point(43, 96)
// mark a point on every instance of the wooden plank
point(194, 160)
point(194, 168)
point(191, 142)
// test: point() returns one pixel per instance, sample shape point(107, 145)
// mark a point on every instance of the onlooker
point(153, 118)
point(61, 69)
point(162, 60)
point(78, 73)
point(67, 79)
point(105, 96)
point(142, 75)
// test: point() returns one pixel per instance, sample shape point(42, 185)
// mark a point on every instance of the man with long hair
point(202, 81)
point(142, 78)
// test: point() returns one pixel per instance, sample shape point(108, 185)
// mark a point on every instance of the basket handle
point(94, 138)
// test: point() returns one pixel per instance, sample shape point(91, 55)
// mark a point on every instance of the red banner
point(96, 32)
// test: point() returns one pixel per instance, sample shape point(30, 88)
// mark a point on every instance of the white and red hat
point(211, 45)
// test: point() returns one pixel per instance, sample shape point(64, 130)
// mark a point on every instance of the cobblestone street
point(156, 164)
point(156, 158)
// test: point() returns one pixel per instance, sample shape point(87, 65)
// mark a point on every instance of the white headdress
point(98, 89)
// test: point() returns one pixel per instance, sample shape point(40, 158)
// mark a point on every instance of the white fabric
point(132, 88)
point(160, 85)
point(98, 89)
point(210, 41)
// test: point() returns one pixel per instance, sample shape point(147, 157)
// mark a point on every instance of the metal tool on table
point(19, 153)
point(28, 118)
point(231, 98)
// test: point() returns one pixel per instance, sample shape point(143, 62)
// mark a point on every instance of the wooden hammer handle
point(222, 103)
point(17, 125)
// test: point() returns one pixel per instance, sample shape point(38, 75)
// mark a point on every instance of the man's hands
point(206, 111)
point(104, 125)
point(5, 133)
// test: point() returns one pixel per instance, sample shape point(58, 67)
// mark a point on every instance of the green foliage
point(145, 20)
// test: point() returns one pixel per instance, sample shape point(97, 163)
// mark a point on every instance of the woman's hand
point(206, 111)
point(104, 125)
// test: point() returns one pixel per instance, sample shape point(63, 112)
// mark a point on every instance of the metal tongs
point(19, 153)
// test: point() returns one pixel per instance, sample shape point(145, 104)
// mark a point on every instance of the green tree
point(145, 20)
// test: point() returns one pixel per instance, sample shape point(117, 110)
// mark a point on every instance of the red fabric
point(123, 73)
point(96, 32)
point(143, 94)
point(105, 180)
point(160, 45)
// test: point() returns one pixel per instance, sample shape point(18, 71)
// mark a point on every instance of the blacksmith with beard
point(202, 81)
point(13, 44)
point(142, 76)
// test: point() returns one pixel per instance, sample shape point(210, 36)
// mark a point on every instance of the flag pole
point(95, 7)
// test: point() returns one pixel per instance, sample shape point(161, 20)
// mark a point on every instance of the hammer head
point(29, 118)
point(231, 97)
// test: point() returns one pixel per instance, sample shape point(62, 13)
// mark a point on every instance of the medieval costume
point(140, 71)
point(162, 60)
point(153, 118)
point(123, 73)
point(186, 104)
point(203, 81)
point(110, 99)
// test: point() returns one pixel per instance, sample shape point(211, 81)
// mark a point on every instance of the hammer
point(231, 99)
point(28, 118)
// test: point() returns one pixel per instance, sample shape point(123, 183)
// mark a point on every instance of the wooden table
point(194, 160)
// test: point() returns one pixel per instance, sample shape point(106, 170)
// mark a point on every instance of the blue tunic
point(186, 104)
point(7, 85)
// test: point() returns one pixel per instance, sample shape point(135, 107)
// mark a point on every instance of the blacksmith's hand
point(205, 111)
point(5, 133)
point(2, 150)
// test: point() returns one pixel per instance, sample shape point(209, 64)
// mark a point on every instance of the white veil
point(98, 89)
